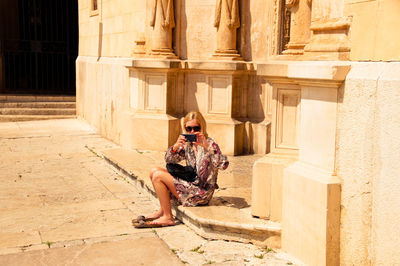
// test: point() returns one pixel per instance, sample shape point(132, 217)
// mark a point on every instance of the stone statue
point(227, 21)
point(300, 20)
point(162, 20)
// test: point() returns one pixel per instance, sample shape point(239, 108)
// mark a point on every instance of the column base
point(329, 41)
point(163, 53)
point(311, 214)
point(226, 55)
point(294, 49)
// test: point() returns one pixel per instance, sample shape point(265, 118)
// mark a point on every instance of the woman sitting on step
point(193, 184)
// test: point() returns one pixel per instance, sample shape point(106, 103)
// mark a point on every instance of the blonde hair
point(199, 119)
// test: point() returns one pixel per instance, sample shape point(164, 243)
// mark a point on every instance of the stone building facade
point(313, 85)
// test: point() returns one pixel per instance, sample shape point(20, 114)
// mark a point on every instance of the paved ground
point(62, 204)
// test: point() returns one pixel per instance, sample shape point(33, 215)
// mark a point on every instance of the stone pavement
point(60, 203)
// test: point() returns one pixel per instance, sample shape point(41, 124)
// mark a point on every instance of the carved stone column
point(227, 21)
point(300, 20)
point(162, 22)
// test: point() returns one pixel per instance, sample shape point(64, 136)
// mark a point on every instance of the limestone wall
point(368, 151)
point(111, 31)
point(102, 94)
point(374, 29)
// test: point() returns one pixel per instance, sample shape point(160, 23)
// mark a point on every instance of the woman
point(203, 155)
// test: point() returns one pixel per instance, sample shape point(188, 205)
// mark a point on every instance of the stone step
point(16, 118)
point(37, 111)
point(37, 104)
point(36, 98)
point(227, 217)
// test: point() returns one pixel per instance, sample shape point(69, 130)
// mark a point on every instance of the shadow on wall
point(179, 32)
point(100, 43)
point(245, 31)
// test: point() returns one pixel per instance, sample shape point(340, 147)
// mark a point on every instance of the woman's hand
point(180, 142)
point(201, 140)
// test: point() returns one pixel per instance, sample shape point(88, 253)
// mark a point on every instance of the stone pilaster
point(155, 105)
point(224, 101)
point(310, 189)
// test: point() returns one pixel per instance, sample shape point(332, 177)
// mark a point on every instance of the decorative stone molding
point(162, 21)
point(227, 21)
point(329, 39)
point(140, 48)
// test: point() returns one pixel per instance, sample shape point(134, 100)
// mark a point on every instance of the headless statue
point(226, 21)
point(162, 20)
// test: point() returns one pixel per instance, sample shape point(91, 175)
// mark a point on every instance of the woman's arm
point(172, 156)
point(219, 160)
point(176, 152)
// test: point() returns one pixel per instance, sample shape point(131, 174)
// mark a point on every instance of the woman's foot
point(163, 221)
point(147, 218)
point(155, 215)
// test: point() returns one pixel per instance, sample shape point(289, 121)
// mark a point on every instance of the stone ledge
point(312, 70)
point(216, 221)
point(204, 65)
point(218, 65)
point(154, 63)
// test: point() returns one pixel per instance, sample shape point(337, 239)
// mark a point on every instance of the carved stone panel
point(287, 119)
point(154, 92)
point(219, 95)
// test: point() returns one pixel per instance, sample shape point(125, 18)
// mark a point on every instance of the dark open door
point(39, 46)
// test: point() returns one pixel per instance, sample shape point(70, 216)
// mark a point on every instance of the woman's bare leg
point(163, 182)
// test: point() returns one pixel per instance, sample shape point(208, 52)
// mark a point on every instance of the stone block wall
point(102, 94)
point(367, 154)
point(381, 40)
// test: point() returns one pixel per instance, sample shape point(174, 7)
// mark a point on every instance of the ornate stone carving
point(140, 46)
point(226, 21)
point(162, 21)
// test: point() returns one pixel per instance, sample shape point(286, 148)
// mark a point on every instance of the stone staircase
point(31, 107)
point(227, 217)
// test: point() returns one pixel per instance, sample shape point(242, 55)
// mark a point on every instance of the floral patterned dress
point(206, 163)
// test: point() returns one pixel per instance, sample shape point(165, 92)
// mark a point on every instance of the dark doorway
point(38, 46)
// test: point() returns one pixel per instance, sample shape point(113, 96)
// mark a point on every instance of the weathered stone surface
point(125, 252)
point(61, 203)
